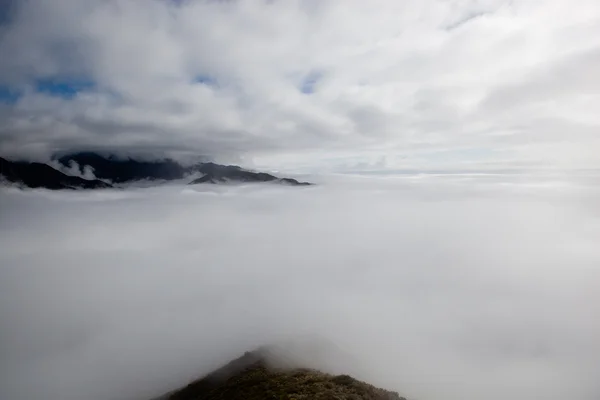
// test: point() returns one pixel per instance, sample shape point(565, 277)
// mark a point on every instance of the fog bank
point(456, 287)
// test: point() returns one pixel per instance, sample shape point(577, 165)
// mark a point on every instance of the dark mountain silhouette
point(37, 175)
point(261, 375)
point(125, 170)
point(119, 170)
point(215, 173)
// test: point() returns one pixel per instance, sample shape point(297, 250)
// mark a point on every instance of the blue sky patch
point(62, 88)
point(9, 95)
point(307, 86)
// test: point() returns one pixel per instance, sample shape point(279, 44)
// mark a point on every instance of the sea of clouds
point(440, 287)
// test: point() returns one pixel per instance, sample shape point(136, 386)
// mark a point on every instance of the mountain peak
point(266, 374)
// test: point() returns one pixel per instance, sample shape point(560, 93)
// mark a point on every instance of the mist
point(438, 287)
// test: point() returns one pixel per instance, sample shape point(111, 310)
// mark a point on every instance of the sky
point(438, 287)
point(308, 86)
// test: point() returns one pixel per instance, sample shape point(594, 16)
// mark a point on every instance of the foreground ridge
point(256, 376)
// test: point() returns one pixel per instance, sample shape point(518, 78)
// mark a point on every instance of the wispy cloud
point(464, 19)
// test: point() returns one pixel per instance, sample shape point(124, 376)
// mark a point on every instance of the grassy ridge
point(252, 377)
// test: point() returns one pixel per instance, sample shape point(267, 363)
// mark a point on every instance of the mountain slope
point(119, 170)
point(37, 175)
point(215, 173)
point(255, 376)
point(126, 170)
point(123, 171)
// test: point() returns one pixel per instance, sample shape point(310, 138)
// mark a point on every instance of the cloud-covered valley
point(440, 287)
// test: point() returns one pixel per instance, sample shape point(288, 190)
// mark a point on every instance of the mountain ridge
point(266, 374)
point(120, 171)
point(38, 175)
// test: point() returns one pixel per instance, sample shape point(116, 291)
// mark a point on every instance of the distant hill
point(121, 171)
point(257, 376)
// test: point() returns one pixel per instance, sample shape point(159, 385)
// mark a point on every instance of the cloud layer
point(474, 84)
point(441, 287)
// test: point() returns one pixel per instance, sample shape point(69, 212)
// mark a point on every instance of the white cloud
point(74, 169)
point(512, 79)
point(460, 287)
